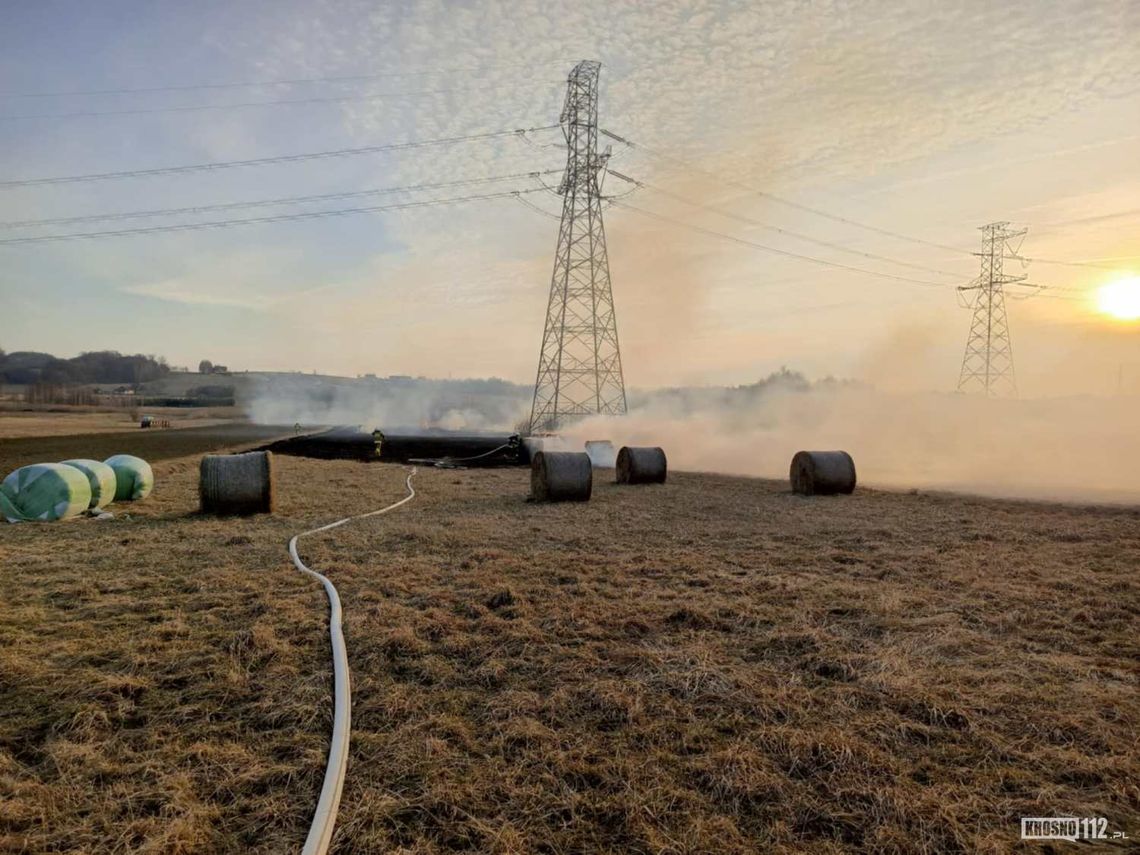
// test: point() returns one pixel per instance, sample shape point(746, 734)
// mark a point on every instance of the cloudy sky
point(923, 120)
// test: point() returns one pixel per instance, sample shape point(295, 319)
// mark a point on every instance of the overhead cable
point(265, 161)
point(262, 203)
point(277, 218)
point(779, 199)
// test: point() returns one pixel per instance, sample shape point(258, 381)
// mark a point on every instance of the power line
point(263, 161)
point(1080, 221)
point(349, 78)
point(1094, 263)
point(788, 202)
point(193, 108)
point(277, 218)
point(261, 203)
point(798, 235)
point(783, 252)
point(529, 204)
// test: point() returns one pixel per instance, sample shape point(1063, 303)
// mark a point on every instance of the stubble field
point(712, 665)
point(44, 421)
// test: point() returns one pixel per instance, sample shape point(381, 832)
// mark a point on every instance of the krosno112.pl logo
point(1068, 828)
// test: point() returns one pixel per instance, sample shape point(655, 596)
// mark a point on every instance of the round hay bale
point(561, 476)
point(822, 473)
point(102, 479)
point(44, 492)
point(641, 466)
point(233, 484)
point(134, 479)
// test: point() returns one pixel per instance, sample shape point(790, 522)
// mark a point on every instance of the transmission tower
point(987, 366)
point(579, 365)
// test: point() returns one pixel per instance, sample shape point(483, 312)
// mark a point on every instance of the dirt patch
point(150, 444)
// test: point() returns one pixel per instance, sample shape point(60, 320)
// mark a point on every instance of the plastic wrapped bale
point(102, 479)
point(134, 478)
point(641, 466)
point(822, 473)
point(601, 453)
point(44, 492)
point(235, 484)
point(561, 476)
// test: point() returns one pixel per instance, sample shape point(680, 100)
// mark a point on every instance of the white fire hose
point(324, 818)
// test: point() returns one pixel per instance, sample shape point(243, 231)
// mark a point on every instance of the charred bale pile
point(339, 443)
point(430, 447)
point(438, 447)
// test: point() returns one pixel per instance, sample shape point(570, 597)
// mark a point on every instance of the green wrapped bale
point(102, 479)
point(44, 492)
point(133, 476)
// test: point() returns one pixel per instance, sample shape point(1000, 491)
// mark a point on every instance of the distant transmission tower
point(579, 366)
point(987, 366)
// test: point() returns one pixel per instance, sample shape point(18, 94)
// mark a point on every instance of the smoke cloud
point(404, 402)
point(1069, 449)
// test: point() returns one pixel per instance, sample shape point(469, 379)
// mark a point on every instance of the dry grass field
point(40, 422)
point(712, 665)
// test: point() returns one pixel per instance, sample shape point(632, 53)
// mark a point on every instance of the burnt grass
point(711, 665)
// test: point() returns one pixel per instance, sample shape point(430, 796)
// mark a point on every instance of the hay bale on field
point(102, 479)
point(44, 492)
point(134, 479)
point(236, 484)
point(822, 473)
point(641, 466)
point(561, 476)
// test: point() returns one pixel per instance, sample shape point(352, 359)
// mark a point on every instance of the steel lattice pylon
point(987, 366)
point(579, 366)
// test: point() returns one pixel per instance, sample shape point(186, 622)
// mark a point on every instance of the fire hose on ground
point(324, 818)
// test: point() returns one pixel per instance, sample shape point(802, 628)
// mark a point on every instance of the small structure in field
point(822, 473)
point(236, 484)
point(561, 476)
point(641, 466)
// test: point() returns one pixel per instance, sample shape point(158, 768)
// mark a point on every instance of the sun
point(1121, 299)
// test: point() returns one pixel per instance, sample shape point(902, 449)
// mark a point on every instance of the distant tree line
point(26, 368)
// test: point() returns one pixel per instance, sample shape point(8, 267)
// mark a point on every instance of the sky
point(920, 119)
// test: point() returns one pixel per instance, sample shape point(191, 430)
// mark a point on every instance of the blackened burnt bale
point(641, 466)
point(822, 473)
point(561, 476)
point(236, 484)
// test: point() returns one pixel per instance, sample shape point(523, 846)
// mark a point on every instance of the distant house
point(219, 369)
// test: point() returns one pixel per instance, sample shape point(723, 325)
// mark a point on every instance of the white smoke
point(1072, 449)
point(385, 403)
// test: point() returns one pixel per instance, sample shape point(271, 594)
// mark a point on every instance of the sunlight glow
point(1120, 299)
